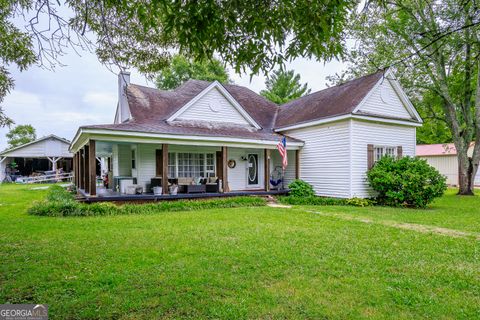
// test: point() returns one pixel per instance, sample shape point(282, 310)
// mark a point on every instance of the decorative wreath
point(231, 163)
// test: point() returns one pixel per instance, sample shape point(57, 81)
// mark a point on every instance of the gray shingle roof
point(150, 108)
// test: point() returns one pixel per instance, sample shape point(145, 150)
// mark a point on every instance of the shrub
point(360, 202)
point(313, 201)
point(300, 188)
point(60, 203)
point(408, 182)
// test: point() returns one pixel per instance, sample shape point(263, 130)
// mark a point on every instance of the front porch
point(119, 170)
point(106, 195)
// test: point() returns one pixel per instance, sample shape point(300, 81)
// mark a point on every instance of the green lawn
point(451, 211)
point(241, 263)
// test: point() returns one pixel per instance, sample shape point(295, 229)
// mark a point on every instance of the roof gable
point(387, 99)
point(330, 102)
point(50, 145)
point(214, 104)
point(360, 97)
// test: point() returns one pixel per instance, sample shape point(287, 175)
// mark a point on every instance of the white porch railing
point(68, 176)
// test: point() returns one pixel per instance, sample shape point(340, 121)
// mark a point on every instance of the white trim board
point(349, 116)
point(83, 135)
point(225, 93)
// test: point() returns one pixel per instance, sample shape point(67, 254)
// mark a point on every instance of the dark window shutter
point(370, 160)
point(399, 152)
point(158, 162)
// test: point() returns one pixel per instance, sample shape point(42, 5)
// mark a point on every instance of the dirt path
point(406, 226)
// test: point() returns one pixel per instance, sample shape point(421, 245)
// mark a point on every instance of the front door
point(252, 172)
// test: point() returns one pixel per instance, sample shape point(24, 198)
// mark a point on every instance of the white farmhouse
point(206, 137)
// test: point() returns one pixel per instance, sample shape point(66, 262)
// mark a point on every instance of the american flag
point(282, 148)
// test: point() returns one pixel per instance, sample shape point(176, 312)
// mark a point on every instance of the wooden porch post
point(267, 169)
point(81, 175)
point(92, 165)
point(297, 164)
point(225, 169)
point(75, 169)
point(87, 169)
point(79, 167)
point(165, 168)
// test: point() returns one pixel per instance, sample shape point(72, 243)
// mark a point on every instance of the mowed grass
point(451, 211)
point(233, 264)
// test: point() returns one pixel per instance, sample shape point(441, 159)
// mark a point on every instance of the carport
point(48, 153)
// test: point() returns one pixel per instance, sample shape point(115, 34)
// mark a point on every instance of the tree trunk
point(466, 174)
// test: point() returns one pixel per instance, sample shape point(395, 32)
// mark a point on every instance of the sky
point(84, 92)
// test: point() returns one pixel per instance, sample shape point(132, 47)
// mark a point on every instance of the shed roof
point(441, 149)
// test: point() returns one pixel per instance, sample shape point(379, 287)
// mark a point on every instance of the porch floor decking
point(110, 195)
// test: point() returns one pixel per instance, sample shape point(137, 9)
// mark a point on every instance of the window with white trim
point(134, 158)
point(172, 165)
point(382, 151)
point(210, 164)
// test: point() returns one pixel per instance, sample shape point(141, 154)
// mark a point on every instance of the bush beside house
point(409, 182)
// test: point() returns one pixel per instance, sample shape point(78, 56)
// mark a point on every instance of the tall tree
point(434, 48)
point(283, 86)
point(144, 34)
point(21, 134)
point(182, 69)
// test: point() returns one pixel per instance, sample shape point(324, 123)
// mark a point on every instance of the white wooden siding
point(446, 165)
point(392, 107)
point(146, 164)
point(45, 148)
point(477, 178)
point(122, 160)
point(223, 111)
point(364, 133)
point(325, 158)
point(3, 165)
point(237, 177)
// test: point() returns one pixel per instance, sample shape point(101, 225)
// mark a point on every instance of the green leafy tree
point(21, 134)
point(144, 34)
point(283, 86)
point(181, 69)
point(434, 50)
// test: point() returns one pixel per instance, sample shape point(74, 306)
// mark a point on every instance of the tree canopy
point(182, 69)
point(283, 86)
point(434, 50)
point(21, 134)
point(249, 35)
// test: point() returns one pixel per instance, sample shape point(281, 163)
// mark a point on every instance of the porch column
point(92, 165)
point(225, 169)
point(79, 172)
point(297, 164)
point(165, 168)
point(81, 175)
point(86, 174)
point(75, 169)
point(267, 169)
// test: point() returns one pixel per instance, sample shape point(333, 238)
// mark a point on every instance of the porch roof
point(181, 133)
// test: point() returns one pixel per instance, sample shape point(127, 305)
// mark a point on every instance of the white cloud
point(100, 99)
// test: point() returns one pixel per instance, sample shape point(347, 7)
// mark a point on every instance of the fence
point(68, 176)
